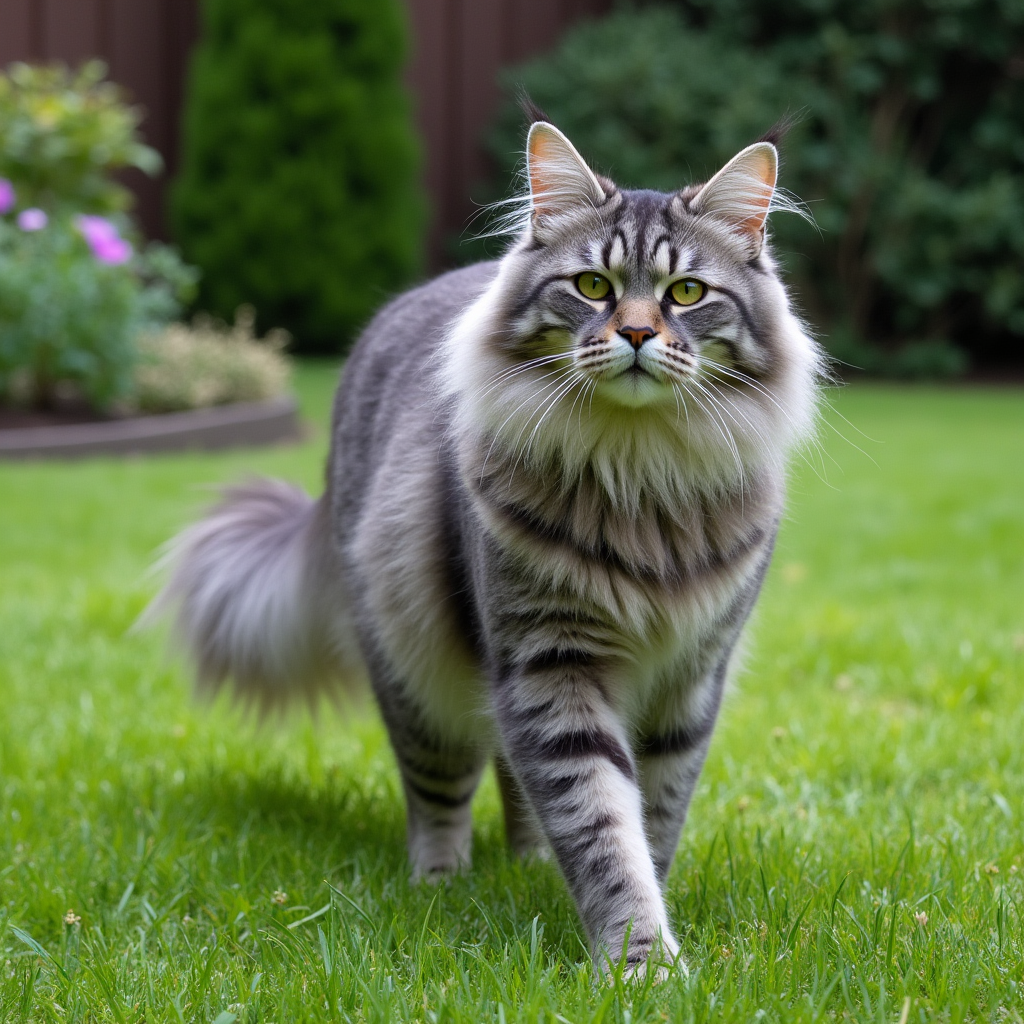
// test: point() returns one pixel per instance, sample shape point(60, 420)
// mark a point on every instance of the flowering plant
point(74, 298)
point(64, 134)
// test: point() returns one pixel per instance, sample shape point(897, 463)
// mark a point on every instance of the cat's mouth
point(636, 372)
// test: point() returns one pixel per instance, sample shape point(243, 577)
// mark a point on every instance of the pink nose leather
point(636, 336)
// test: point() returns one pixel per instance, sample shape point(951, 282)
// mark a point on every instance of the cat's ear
point(560, 179)
point(741, 193)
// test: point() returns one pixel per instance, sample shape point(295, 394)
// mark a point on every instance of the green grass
point(854, 843)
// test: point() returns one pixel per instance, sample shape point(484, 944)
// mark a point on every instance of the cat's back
point(388, 389)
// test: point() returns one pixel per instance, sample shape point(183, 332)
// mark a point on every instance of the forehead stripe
point(620, 254)
point(663, 264)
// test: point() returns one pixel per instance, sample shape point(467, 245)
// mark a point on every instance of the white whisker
point(556, 385)
point(558, 374)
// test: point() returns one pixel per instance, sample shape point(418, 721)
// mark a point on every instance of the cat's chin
point(634, 389)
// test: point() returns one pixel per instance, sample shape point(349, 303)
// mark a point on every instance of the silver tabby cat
point(552, 495)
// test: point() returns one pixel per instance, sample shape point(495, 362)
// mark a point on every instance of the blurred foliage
point(908, 148)
point(62, 134)
point(70, 320)
point(209, 363)
point(298, 190)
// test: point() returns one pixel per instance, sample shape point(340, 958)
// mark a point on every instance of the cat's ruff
point(553, 491)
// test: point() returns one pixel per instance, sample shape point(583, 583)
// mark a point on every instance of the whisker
point(580, 397)
point(556, 385)
point(723, 429)
point(832, 408)
point(813, 441)
point(558, 374)
point(565, 390)
point(514, 371)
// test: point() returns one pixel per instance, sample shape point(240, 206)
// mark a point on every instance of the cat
point(552, 496)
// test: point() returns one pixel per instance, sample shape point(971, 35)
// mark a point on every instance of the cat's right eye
point(593, 286)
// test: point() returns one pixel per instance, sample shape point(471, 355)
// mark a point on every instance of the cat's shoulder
point(437, 301)
point(398, 346)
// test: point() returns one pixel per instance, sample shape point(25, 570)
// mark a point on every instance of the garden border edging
point(239, 425)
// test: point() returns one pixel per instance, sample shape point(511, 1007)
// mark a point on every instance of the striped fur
point(552, 535)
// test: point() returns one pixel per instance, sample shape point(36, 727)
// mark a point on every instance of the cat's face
point(645, 323)
point(645, 293)
point(644, 296)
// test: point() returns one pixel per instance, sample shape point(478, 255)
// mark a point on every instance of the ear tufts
point(530, 110)
point(560, 179)
point(741, 192)
point(781, 129)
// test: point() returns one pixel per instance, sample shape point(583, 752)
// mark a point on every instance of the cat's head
point(620, 312)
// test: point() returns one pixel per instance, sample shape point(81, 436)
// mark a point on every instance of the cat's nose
point(636, 336)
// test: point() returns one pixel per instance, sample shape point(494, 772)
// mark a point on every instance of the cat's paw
point(657, 967)
point(432, 879)
point(434, 874)
point(537, 850)
point(659, 959)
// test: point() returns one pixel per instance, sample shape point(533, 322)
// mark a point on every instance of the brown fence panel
point(458, 48)
point(17, 30)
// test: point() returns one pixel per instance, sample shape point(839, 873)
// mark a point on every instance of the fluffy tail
point(258, 598)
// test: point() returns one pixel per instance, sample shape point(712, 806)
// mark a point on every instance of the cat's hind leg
point(672, 750)
point(522, 830)
point(670, 765)
point(440, 774)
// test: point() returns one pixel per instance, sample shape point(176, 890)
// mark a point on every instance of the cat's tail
point(258, 599)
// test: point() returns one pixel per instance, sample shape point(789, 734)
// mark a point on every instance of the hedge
point(298, 187)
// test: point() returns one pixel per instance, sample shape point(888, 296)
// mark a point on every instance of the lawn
point(855, 850)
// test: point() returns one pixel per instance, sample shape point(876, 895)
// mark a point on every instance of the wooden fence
point(458, 48)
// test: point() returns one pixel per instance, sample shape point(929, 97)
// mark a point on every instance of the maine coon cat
point(552, 495)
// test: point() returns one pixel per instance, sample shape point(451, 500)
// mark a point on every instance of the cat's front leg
point(569, 753)
point(440, 772)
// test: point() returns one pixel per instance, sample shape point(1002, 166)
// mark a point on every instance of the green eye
point(688, 291)
point(593, 286)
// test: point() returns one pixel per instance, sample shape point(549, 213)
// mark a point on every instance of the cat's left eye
point(688, 291)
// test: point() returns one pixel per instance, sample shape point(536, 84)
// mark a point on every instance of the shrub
point(184, 367)
point(908, 149)
point(73, 298)
point(64, 133)
point(298, 188)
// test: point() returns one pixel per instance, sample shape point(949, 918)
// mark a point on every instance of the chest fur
point(652, 577)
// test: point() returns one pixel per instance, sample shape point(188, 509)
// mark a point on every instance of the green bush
point(72, 304)
point(908, 149)
point(298, 189)
point(62, 135)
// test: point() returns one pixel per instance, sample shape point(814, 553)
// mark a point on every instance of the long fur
point(256, 606)
point(545, 535)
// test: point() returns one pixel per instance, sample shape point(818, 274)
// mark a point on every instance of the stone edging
point(224, 426)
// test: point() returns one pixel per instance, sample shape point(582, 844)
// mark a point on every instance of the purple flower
point(7, 196)
point(32, 219)
point(113, 251)
point(102, 237)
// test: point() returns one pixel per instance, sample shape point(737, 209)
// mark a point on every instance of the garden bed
point(228, 426)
